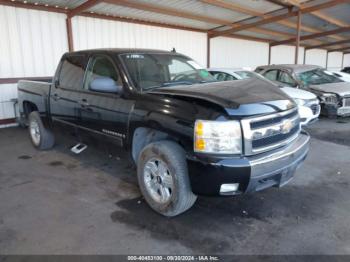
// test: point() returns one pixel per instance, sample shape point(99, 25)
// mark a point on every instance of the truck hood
point(341, 88)
point(296, 93)
point(239, 94)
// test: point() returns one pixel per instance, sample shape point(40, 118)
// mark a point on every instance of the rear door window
point(221, 76)
point(271, 74)
point(100, 67)
point(287, 79)
point(72, 71)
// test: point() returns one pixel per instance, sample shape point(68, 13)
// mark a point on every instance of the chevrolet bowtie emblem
point(286, 126)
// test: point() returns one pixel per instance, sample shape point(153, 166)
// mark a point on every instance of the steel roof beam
point(177, 13)
point(318, 14)
point(231, 6)
point(328, 44)
point(252, 12)
point(33, 6)
point(278, 2)
point(339, 49)
point(83, 7)
point(168, 11)
point(87, 14)
point(138, 21)
point(277, 18)
point(312, 36)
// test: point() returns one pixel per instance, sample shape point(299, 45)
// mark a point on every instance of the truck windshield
point(149, 71)
point(317, 77)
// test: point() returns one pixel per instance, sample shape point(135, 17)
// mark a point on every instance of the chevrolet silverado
point(187, 133)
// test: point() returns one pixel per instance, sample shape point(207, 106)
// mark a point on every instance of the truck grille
point(315, 108)
point(271, 131)
point(314, 105)
point(346, 101)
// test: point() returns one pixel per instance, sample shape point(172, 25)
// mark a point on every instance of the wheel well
point(29, 107)
point(144, 136)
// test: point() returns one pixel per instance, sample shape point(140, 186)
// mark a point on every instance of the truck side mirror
point(105, 85)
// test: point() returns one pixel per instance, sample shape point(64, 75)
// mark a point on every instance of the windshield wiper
point(175, 83)
point(207, 81)
point(165, 84)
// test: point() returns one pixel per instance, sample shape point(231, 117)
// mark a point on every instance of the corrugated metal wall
point(347, 60)
point(31, 44)
point(31, 41)
point(96, 33)
point(285, 54)
point(229, 52)
point(319, 57)
point(316, 57)
point(8, 92)
point(334, 61)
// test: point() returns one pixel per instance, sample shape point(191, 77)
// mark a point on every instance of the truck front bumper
point(309, 114)
point(335, 110)
point(255, 173)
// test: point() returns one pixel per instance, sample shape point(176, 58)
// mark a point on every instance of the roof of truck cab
point(291, 67)
point(122, 51)
point(227, 69)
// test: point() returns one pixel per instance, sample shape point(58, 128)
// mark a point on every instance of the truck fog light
point(229, 189)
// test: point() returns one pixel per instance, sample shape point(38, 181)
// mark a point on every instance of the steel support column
point(297, 40)
point(69, 34)
point(208, 50)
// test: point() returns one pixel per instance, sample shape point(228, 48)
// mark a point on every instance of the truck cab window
point(100, 67)
point(271, 74)
point(285, 78)
point(221, 76)
point(72, 72)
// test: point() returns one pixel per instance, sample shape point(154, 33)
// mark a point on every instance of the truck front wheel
point(41, 137)
point(163, 178)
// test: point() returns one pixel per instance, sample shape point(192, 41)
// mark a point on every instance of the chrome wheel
point(158, 180)
point(34, 132)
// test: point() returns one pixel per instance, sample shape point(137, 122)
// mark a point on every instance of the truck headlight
point(300, 102)
point(220, 137)
point(328, 98)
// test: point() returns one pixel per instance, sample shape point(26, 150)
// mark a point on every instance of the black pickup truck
point(187, 134)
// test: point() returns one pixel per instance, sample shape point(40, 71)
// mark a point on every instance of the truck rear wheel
point(163, 178)
point(41, 137)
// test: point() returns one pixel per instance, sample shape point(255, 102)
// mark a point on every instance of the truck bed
point(35, 92)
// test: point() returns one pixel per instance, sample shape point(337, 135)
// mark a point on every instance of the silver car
point(333, 93)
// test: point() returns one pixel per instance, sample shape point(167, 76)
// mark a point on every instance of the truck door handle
point(84, 103)
point(56, 97)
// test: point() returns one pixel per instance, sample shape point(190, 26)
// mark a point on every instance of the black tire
point(182, 197)
point(47, 139)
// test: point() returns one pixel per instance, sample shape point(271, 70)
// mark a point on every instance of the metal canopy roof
point(272, 21)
